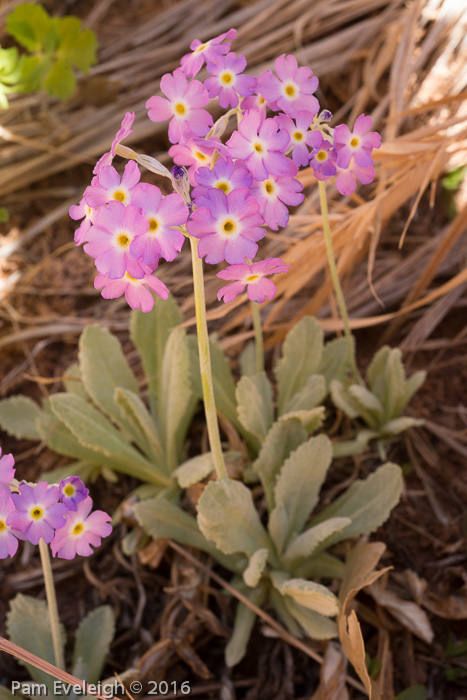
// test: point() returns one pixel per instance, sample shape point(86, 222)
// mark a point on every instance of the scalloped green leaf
point(309, 397)
point(141, 424)
point(306, 544)
point(301, 357)
point(60, 81)
point(315, 625)
point(78, 46)
point(311, 420)
point(18, 417)
point(335, 360)
point(255, 406)
point(194, 470)
point(32, 27)
point(247, 359)
point(255, 568)
point(92, 644)
point(244, 621)
point(308, 594)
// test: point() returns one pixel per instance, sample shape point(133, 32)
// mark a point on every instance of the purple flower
point(77, 212)
point(256, 102)
point(291, 91)
point(7, 468)
point(356, 144)
point(136, 291)
point(194, 153)
point(8, 541)
point(38, 512)
point(227, 83)
point(72, 491)
point(110, 237)
point(346, 181)
point(228, 226)
point(252, 275)
point(81, 530)
point(300, 136)
point(323, 160)
point(111, 186)
point(124, 131)
point(183, 107)
point(225, 175)
point(209, 51)
point(274, 194)
point(261, 145)
point(162, 214)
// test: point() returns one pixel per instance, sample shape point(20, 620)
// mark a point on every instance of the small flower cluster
point(59, 515)
point(239, 187)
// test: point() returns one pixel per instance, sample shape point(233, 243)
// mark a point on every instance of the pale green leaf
point(395, 381)
point(18, 417)
point(311, 420)
point(278, 602)
point(309, 397)
point(369, 406)
point(321, 565)
point(255, 568)
point(228, 517)
point(399, 425)
point(28, 625)
point(247, 359)
point(367, 503)
point(73, 381)
point(335, 362)
point(87, 471)
point(343, 400)
point(223, 383)
point(375, 371)
point(6, 695)
point(306, 544)
point(103, 369)
point(194, 470)
point(60, 81)
point(93, 639)
point(346, 448)
point(255, 406)
point(149, 333)
point(141, 424)
point(244, 620)
point(412, 385)
point(300, 480)
point(315, 625)
point(95, 432)
point(301, 357)
point(310, 595)
point(278, 525)
point(284, 437)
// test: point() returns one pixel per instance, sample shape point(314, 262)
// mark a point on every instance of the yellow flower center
point(224, 186)
point(119, 195)
point(129, 277)
point(200, 155)
point(269, 187)
point(153, 225)
point(321, 155)
point(69, 490)
point(297, 135)
point(228, 227)
point(226, 78)
point(2, 525)
point(252, 278)
point(37, 513)
point(290, 90)
point(123, 240)
point(201, 47)
point(261, 100)
point(180, 108)
point(78, 529)
point(258, 148)
point(354, 142)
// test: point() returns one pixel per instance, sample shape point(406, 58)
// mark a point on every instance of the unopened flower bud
point(325, 115)
point(181, 182)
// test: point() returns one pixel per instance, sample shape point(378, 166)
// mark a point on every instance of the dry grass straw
point(402, 64)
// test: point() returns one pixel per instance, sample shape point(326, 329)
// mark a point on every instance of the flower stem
point(205, 362)
point(52, 604)
point(336, 282)
point(259, 347)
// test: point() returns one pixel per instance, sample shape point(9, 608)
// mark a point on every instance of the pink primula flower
point(300, 136)
point(160, 240)
point(323, 160)
point(38, 513)
point(196, 153)
point(256, 102)
point(137, 291)
point(346, 181)
point(124, 131)
point(261, 145)
point(253, 276)
point(208, 51)
point(292, 90)
point(111, 186)
point(228, 226)
point(7, 468)
point(72, 491)
point(82, 531)
point(227, 83)
point(183, 107)
point(356, 144)
point(225, 175)
point(274, 194)
point(85, 212)
point(110, 238)
point(8, 541)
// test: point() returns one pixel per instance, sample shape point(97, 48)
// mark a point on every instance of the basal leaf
point(334, 361)
point(194, 470)
point(244, 620)
point(343, 400)
point(142, 425)
point(93, 639)
point(18, 417)
point(255, 406)
point(315, 625)
point(284, 437)
point(255, 568)
point(228, 517)
point(223, 383)
point(367, 503)
point(28, 625)
point(73, 381)
point(247, 360)
point(301, 357)
point(310, 396)
point(369, 406)
point(412, 385)
point(310, 595)
point(311, 420)
point(308, 542)
point(299, 482)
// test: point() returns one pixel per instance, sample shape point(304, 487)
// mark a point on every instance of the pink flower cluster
point(59, 515)
point(240, 186)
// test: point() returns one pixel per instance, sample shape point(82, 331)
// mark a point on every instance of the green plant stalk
point(336, 282)
point(259, 346)
point(205, 362)
point(52, 604)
